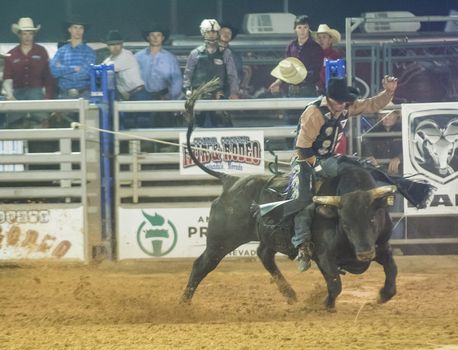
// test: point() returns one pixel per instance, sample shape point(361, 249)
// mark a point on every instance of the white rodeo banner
point(41, 233)
point(430, 148)
point(232, 152)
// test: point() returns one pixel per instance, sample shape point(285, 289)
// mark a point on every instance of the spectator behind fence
point(206, 62)
point(227, 33)
point(161, 74)
point(129, 84)
point(26, 75)
point(386, 153)
point(326, 37)
point(72, 62)
point(310, 54)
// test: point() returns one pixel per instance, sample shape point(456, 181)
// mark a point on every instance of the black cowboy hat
point(302, 19)
point(75, 19)
point(234, 30)
point(155, 27)
point(114, 37)
point(340, 92)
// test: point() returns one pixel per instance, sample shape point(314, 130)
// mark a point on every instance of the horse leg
point(202, 266)
point(384, 257)
point(333, 281)
point(267, 257)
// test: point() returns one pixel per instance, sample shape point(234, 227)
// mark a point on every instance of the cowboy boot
point(304, 256)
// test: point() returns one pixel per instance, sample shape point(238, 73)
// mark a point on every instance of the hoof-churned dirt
point(134, 305)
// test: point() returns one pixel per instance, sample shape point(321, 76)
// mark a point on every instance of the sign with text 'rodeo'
point(167, 233)
point(232, 152)
point(41, 234)
point(430, 148)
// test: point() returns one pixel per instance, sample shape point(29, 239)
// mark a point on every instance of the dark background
point(131, 16)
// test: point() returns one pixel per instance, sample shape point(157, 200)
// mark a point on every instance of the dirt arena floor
point(134, 305)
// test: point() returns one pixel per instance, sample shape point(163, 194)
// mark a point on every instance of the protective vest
point(208, 66)
point(330, 133)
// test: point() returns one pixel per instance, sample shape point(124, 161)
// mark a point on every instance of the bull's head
point(436, 144)
point(360, 219)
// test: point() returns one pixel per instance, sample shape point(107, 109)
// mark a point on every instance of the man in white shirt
point(128, 79)
point(129, 84)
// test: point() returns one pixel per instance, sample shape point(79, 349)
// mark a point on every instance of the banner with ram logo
point(430, 149)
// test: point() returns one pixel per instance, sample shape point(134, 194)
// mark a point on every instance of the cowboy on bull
point(320, 126)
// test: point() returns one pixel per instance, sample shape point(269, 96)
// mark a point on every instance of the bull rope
point(76, 125)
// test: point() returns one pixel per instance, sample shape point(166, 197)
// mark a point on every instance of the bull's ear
point(328, 200)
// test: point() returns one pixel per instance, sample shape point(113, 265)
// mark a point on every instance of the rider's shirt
point(320, 128)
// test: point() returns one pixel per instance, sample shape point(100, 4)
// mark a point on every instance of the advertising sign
point(168, 233)
point(42, 233)
point(430, 148)
point(232, 152)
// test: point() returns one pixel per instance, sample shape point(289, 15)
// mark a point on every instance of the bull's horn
point(382, 191)
point(328, 200)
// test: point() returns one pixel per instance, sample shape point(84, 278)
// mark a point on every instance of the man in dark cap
point(72, 62)
point(128, 80)
point(311, 55)
point(319, 126)
point(129, 84)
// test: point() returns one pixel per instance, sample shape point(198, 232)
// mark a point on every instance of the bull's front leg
point(331, 274)
point(385, 258)
point(267, 257)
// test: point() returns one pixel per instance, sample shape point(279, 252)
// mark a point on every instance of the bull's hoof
point(185, 302)
point(384, 295)
point(288, 293)
point(292, 298)
point(330, 305)
point(186, 298)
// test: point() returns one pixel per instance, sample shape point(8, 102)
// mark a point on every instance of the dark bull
point(358, 234)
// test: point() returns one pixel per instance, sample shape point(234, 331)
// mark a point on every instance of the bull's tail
point(190, 118)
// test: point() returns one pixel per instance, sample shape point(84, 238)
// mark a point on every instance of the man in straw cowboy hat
point(72, 62)
point(319, 126)
point(26, 73)
point(309, 53)
point(327, 37)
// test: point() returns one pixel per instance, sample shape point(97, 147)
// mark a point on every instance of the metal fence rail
point(146, 177)
point(59, 175)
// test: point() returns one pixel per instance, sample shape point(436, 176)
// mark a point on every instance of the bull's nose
point(366, 256)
